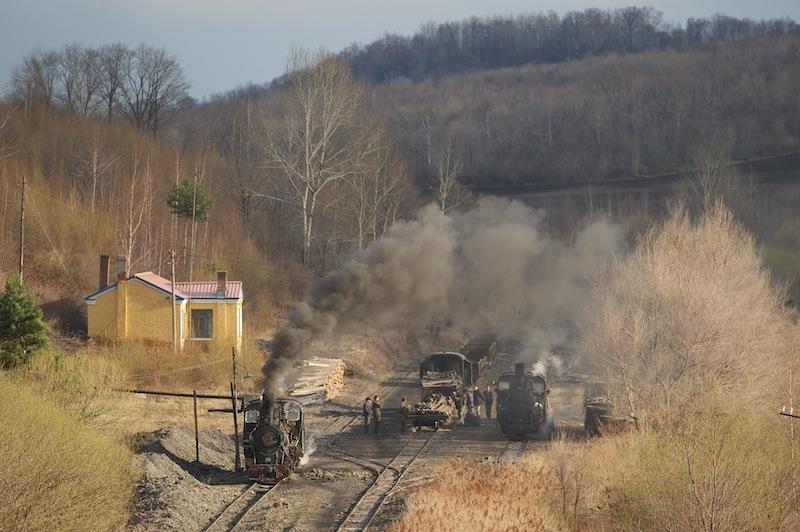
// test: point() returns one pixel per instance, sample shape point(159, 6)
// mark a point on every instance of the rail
point(363, 512)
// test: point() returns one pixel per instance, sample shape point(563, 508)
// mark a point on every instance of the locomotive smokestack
point(519, 368)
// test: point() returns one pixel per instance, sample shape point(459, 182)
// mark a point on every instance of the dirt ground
point(176, 493)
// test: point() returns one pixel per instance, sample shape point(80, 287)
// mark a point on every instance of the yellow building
point(139, 307)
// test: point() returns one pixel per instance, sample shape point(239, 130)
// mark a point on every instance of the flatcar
point(274, 439)
point(523, 410)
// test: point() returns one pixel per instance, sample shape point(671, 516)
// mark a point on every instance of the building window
point(183, 323)
point(239, 321)
point(202, 324)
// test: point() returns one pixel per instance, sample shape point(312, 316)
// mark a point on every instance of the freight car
point(480, 351)
point(274, 439)
point(442, 376)
point(523, 410)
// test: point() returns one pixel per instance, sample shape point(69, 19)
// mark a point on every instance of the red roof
point(196, 289)
point(209, 289)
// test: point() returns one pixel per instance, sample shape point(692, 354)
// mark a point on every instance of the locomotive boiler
point(274, 439)
point(523, 411)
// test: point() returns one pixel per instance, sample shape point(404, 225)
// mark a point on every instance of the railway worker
point(376, 415)
point(459, 406)
point(477, 399)
point(468, 401)
point(367, 414)
point(489, 398)
point(404, 412)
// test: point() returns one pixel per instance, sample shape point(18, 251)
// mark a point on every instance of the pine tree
point(22, 331)
point(188, 200)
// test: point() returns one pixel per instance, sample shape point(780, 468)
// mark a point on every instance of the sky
point(222, 44)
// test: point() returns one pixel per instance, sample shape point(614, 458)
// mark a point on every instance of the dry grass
point(469, 496)
point(79, 382)
point(57, 473)
point(156, 366)
point(723, 471)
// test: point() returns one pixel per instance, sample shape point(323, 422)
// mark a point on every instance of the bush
point(722, 471)
point(55, 472)
point(22, 331)
point(690, 313)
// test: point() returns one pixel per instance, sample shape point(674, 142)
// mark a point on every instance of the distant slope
point(601, 118)
point(505, 41)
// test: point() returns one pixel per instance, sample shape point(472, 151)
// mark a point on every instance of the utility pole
point(22, 227)
point(235, 400)
point(172, 287)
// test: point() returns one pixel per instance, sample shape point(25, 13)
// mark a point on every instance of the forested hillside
point(504, 41)
point(603, 117)
point(590, 96)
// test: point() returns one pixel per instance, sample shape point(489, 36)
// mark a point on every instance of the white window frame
point(183, 321)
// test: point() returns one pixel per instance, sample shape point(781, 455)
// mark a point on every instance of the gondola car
point(274, 439)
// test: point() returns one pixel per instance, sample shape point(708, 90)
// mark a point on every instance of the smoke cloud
point(491, 268)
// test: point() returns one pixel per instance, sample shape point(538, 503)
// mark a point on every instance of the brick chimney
point(122, 269)
point(222, 283)
point(105, 270)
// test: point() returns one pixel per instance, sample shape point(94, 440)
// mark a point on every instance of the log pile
point(437, 403)
point(318, 379)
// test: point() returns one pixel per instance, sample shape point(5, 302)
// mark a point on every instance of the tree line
point(144, 85)
point(503, 41)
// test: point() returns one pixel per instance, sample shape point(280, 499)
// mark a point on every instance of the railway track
point(369, 504)
point(236, 512)
point(242, 506)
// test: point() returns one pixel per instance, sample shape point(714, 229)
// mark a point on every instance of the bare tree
point(319, 141)
point(34, 80)
point(8, 145)
point(93, 165)
point(137, 205)
point(449, 192)
point(114, 64)
point(375, 192)
point(78, 79)
point(152, 90)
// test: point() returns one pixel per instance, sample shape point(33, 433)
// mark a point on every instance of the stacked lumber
point(318, 378)
point(437, 403)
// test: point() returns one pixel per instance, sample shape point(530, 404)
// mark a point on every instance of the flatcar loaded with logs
point(274, 439)
point(442, 376)
point(523, 411)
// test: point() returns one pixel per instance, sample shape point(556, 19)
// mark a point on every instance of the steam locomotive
point(523, 411)
point(274, 439)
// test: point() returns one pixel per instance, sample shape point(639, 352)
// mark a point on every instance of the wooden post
point(22, 227)
point(234, 406)
point(196, 433)
point(172, 286)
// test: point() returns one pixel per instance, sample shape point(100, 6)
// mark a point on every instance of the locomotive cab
point(275, 443)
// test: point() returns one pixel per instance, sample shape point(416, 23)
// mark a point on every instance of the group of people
point(472, 399)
